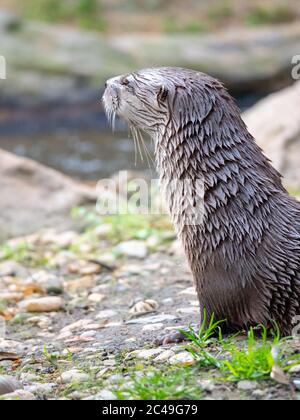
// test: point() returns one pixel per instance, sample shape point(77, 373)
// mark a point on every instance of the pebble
point(188, 311)
point(146, 354)
point(106, 314)
point(11, 268)
point(247, 385)
point(82, 283)
point(28, 377)
point(76, 325)
point(207, 385)
point(86, 334)
point(74, 375)
point(152, 327)
point(19, 395)
point(11, 297)
point(152, 319)
point(259, 393)
point(296, 382)
point(133, 249)
point(189, 291)
point(105, 394)
point(144, 306)
point(109, 362)
point(45, 304)
point(295, 369)
point(164, 356)
point(96, 297)
point(65, 239)
point(41, 321)
point(103, 230)
point(84, 268)
point(183, 358)
point(41, 389)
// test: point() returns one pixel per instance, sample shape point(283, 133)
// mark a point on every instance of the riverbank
point(83, 312)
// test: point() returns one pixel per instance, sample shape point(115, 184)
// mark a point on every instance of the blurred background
point(59, 54)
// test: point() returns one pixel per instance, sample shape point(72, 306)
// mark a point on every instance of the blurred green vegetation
point(84, 13)
point(269, 15)
point(191, 16)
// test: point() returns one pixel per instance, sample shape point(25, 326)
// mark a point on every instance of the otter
point(244, 251)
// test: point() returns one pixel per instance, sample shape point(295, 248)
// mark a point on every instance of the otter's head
point(152, 99)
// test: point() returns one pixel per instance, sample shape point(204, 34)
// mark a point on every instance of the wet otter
point(245, 252)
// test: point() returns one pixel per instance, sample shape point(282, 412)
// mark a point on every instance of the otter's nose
point(113, 82)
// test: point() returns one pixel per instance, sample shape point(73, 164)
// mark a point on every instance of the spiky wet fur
point(245, 256)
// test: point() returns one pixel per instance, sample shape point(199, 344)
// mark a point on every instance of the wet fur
point(245, 256)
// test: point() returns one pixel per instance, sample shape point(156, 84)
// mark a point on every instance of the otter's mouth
point(111, 102)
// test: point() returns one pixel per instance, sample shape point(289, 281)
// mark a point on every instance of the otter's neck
point(219, 154)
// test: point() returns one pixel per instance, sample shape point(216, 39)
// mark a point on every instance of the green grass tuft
point(167, 384)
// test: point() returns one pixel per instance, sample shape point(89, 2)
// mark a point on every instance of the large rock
point(47, 63)
point(34, 197)
point(275, 123)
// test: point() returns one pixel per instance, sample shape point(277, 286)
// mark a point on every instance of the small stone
point(103, 230)
point(247, 385)
point(107, 258)
point(259, 393)
point(105, 394)
point(11, 297)
point(153, 242)
point(296, 382)
point(41, 389)
point(133, 249)
point(96, 297)
point(65, 239)
point(74, 375)
point(54, 286)
point(183, 358)
point(11, 268)
point(86, 334)
point(46, 304)
point(62, 258)
point(146, 354)
point(84, 268)
point(207, 385)
point(82, 283)
point(295, 369)
point(191, 291)
point(19, 395)
point(188, 311)
point(109, 313)
point(28, 377)
point(142, 307)
point(164, 356)
point(41, 321)
point(152, 327)
point(152, 319)
point(109, 362)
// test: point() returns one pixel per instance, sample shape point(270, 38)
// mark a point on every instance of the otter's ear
point(162, 94)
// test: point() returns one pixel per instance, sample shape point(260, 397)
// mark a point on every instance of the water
point(89, 155)
point(84, 148)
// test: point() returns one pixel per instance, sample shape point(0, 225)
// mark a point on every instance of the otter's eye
point(125, 81)
point(162, 94)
